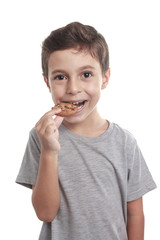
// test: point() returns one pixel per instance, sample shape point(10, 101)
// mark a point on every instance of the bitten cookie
point(67, 109)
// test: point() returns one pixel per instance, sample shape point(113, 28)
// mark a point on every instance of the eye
point(86, 75)
point(59, 77)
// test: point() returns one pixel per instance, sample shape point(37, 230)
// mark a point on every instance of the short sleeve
point(140, 180)
point(29, 168)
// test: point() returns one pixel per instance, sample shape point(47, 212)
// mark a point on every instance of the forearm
point(46, 195)
point(135, 227)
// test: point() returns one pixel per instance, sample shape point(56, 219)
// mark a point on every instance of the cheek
point(56, 93)
point(94, 89)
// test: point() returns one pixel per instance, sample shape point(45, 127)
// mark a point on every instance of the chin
point(72, 121)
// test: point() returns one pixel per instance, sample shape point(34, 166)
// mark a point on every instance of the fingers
point(48, 115)
point(58, 120)
point(47, 130)
point(47, 125)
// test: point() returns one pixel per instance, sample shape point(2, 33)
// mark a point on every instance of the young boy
point(87, 174)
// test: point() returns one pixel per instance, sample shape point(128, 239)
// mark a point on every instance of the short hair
point(78, 36)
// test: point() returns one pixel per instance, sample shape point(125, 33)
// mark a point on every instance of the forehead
point(72, 59)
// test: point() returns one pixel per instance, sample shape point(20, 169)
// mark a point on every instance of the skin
point(72, 68)
point(72, 76)
point(135, 220)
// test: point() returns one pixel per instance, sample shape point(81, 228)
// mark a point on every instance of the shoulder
point(33, 132)
point(122, 134)
point(33, 137)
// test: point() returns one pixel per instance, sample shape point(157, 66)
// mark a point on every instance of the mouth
point(79, 104)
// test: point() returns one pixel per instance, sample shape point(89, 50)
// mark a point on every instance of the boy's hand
point(47, 130)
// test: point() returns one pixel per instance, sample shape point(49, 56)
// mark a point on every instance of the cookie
point(67, 109)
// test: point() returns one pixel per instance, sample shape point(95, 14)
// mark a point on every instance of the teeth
point(77, 103)
point(79, 107)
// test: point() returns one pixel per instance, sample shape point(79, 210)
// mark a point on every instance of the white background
point(132, 99)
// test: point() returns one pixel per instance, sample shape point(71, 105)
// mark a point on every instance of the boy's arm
point(46, 195)
point(135, 220)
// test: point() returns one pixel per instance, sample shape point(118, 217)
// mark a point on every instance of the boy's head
point(80, 37)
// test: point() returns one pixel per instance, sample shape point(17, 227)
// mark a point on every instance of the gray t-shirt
point(97, 177)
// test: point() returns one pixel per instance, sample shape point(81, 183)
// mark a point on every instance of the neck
point(91, 127)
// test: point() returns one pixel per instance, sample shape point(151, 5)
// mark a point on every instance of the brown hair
point(78, 36)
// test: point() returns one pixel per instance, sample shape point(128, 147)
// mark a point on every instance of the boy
point(88, 175)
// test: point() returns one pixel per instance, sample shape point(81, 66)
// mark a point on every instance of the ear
point(105, 79)
point(47, 83)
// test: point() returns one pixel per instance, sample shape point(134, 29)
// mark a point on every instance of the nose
point(73, 86)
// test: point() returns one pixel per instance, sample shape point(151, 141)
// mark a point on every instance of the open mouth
point(79, 104)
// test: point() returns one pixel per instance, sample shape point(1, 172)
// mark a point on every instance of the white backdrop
point(132, 98)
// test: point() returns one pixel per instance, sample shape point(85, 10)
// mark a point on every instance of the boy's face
point(76, 77)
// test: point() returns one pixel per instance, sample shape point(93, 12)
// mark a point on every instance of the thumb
point(58, 120)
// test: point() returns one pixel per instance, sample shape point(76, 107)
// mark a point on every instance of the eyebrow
point(80, 69)
point(87, 67)
point(58, 71)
